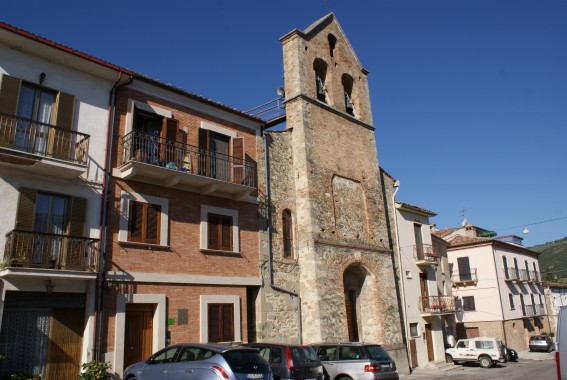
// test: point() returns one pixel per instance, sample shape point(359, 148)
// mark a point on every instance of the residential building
point(182, 246)
point(428, 303)
point(326, 251)
point(498, 283)
point(556, 297)
point(53, 132)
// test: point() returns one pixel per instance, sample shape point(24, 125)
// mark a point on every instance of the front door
point(350, 300)
point(424, 291)
point(429, 341)
point(138, 333)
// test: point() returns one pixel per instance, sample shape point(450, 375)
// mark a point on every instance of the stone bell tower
point(332, 276)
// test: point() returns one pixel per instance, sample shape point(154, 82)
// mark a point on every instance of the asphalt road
point(525, 369)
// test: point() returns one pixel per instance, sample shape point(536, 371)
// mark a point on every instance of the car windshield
point(377, 353)
point(246, 361)
point(537, 338)
point(303, 354)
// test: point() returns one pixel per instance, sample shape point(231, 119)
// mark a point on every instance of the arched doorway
point(354, 279)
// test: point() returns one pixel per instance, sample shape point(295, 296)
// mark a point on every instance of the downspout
point(269, 231)
point(401, 272)
point(97, 341)
point(499, 296)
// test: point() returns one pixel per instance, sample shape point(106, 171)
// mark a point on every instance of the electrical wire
point(530, 224)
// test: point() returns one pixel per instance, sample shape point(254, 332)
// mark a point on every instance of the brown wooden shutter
point(226, 233)
point(153, 213)
point(238, 160)
point(136, 221)
point(227, 322)
point(65, 111)
point(214, 322)
point(77, 216)
point(171, 128)
point(26, 210)
point(203, 139)
point(214, 224)
point(203, 157)
point(238, 148)
point(9, 94)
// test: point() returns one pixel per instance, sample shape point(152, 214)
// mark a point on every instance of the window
point(348, 83)
point(221, 323)
point(221, 153)
point(463, 344)
point(220, 232)
point(144, 223)
point(468, 303)
point(349, 353)
point(145, 219)
point(484, 344)
point(464, 269)
point(320, 68)
point(505, 262)
point(164, 356)
point(527, 269)
point(287, 227)
point(332, 44)
point(511, 298)
point(413, 329)
point(219, 229)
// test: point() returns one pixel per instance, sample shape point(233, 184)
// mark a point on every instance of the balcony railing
point(425, 253)
point(525, 275)
point(533, 310)
point(170, 154)
point(511, 274)
point(43, 250)
point(43, 140)
point(536, 277)
point(438, 304)
point(464, 278)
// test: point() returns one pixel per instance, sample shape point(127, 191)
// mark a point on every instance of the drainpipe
point(499, 296)
point(104, 218)
point(269, 230)
point(401, 271)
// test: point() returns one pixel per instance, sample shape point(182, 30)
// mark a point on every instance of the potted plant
point(36, 376)
point(95, 370)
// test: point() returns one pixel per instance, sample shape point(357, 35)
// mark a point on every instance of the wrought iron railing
point(170, 154)
point(438, 304)
point(43, 139)
point(524, 275)
point(465, 277)
point(511, 274)
point(426, 252)
point(43, 250)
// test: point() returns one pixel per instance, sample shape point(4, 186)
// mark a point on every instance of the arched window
point(287, 226)
point(347, 89)
point(320, 68)
point(332, 43)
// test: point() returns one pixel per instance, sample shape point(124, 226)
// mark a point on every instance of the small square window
point(413, 329)
point(468, 303)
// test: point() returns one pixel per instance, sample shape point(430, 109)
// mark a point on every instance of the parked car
point(356, 361)
point(511, 354)
point(194, 361)
point(487, 351)
point(541, 343)
point(295, 362)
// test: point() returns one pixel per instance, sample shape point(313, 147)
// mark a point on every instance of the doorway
point(429, 342)
point(138, 333)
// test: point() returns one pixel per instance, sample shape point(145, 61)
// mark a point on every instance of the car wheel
point(508, 357)
point(448, 358)
point(485, 361)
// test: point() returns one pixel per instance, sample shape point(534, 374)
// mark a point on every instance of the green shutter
point(77, 216)
point(65, 111)
point(26, 209)
point(9, 94)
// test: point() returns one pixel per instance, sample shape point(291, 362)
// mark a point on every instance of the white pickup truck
point(486, 351)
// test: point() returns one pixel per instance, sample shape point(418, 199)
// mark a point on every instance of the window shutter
point(238, 159)
point(153, 224)
point(226, 234)
point(214, 323)
point(203, 139)
point(26, 208)
point(136, 221)
point(213, 222)
point(227, 322)
point(9, 94)
point(77, 217)
point(65, 108)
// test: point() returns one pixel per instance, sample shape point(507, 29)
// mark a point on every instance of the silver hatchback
point(358, 361)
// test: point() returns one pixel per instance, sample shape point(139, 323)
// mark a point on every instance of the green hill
point(553, 259)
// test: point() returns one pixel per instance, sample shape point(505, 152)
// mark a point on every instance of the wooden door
point(424, 291)
point(138, 333)
point(65, 344)
point(413, 353)
point(350, 301)
point(429, 341)
point(472, 332)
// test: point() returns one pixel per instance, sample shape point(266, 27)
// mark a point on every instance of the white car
point(486, 351)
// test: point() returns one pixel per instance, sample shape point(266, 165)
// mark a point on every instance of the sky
point(469, 97)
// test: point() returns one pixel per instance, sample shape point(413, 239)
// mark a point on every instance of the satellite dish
point(280, 91)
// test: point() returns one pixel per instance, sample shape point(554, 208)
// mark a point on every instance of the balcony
point(525, 275)
point(536, 277)
point(464, 279)
point(425, 254)
point(533, 310)
point(511, 274)
point(170, 163)
point(35, 250)
point(42, 148)
point(438, 305)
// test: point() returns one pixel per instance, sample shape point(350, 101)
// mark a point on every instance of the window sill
point(220, 252)
point(138, 244)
